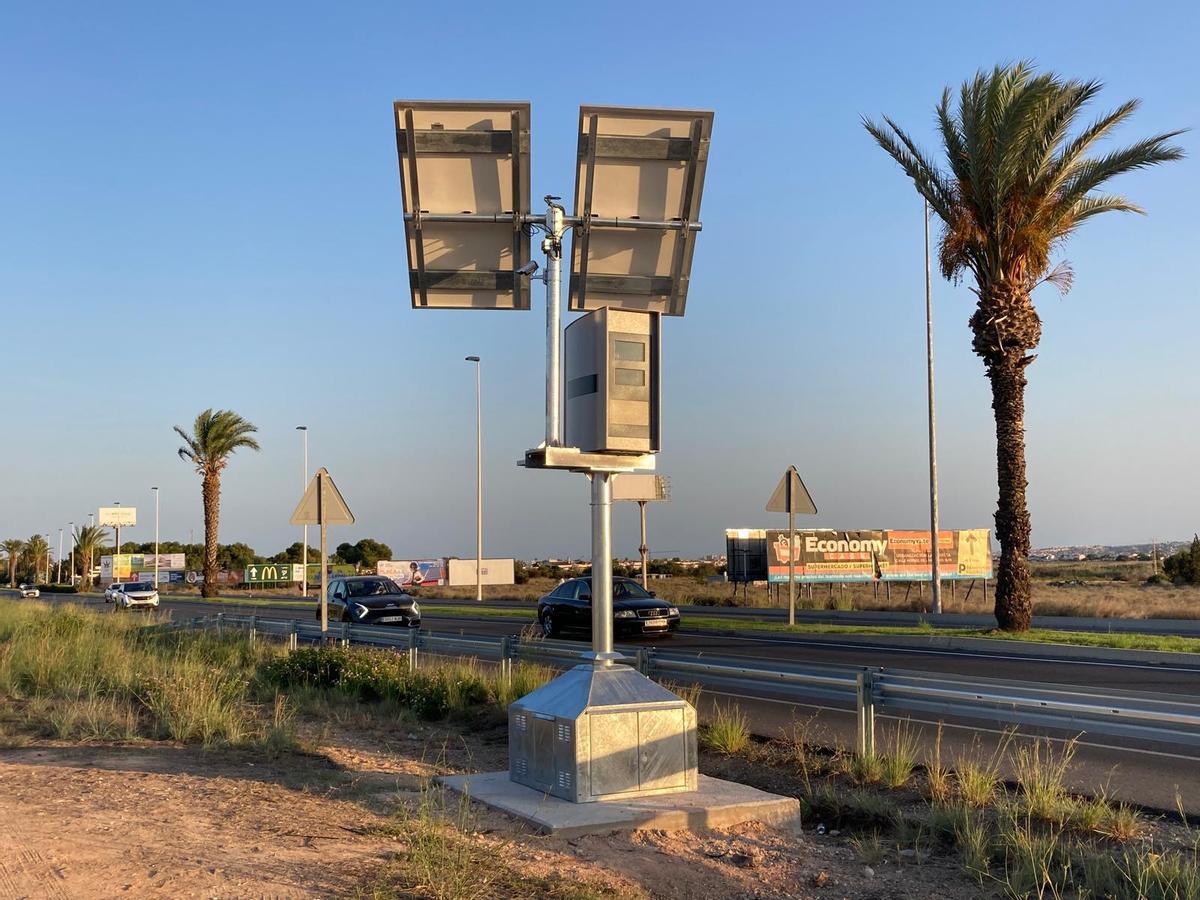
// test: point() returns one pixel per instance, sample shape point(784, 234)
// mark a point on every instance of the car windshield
point(627, 590)
point(139, 586)
point(373, 588)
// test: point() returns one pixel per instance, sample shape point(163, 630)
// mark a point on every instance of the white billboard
point(493, 571)
point(117, 516)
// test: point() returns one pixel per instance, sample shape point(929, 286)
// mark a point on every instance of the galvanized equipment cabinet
point(600, 733)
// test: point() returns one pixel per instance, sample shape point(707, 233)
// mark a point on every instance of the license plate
point(656, 623)
point(390, 619)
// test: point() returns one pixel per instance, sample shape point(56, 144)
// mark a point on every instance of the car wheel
point(549, 626)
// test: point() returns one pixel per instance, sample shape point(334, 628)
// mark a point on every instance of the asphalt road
point(1153, 775)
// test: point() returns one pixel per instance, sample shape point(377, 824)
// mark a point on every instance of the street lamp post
point(303, 488)
point(58, 579)
point(478, 484)
point(71, 525)
point(155, 537)
point(934, 550)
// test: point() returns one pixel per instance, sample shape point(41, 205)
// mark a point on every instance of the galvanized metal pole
point(935, 570)
point(644, 549)
point(58, 578)
point(552, 247)
point(791, 560)
point(602, 604)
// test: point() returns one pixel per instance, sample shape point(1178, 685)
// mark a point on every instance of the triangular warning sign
point(322, 504)
point(791, 495)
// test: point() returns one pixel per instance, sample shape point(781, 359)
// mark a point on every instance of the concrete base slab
point(715, 804)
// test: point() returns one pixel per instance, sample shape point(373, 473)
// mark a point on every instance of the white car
point(29, 590)
point(134, 594)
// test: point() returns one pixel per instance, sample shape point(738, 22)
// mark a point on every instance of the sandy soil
point(159, 820)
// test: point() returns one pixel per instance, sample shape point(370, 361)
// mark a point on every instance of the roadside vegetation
point(1005, 816)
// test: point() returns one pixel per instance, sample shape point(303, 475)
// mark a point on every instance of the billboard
point(272, 573)
point(822, 555)
point(492, 571)
point(413, 572)
point(117, 516)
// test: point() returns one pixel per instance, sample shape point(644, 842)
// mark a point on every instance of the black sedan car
point(371, 600)
point(635, 611)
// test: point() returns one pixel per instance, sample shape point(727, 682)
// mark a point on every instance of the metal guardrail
point(868, 690)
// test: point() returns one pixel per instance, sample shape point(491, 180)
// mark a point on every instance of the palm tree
point(214, 438)
point(37, 554)
point(1015, 185)
point(13, 549)
point(89, 539)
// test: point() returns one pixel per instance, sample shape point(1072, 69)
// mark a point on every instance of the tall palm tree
point(1015, 183)
point(13, 550)
point(214, 438)
point(37, 555)
point(89, 540)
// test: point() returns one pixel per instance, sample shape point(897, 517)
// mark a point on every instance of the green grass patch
point(1170, 643)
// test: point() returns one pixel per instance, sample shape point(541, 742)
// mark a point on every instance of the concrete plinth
point(714, 804)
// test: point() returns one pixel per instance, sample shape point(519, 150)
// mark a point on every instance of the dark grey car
point(371, 600)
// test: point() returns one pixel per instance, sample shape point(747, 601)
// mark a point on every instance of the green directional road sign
point(261, 572)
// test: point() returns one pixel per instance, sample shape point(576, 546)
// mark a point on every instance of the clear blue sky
point(199, 207)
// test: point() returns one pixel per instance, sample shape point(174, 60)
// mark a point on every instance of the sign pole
point(552, 247)
point(324, 548)
point(791, 560)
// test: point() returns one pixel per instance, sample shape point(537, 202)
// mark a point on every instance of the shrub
point(726, 731)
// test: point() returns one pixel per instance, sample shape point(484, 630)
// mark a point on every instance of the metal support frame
point(643, 547)
point(552, 247)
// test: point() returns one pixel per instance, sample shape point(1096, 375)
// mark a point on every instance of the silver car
point(134, 594)
point(29, 590)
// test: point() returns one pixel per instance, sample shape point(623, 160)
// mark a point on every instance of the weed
point(1041, 774)
point(974, 843)
point(936, 774)
point(869, 848)
point(726, 731)
point(864, 768)
point(901, 757)
point(978, 775)
point(1122, 823)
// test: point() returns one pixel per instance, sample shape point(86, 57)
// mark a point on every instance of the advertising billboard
point(822, 555)
point(492, 571)
point(273, 573)
point(413, 572)
point(117, 516)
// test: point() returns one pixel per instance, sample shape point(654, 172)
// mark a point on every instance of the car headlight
point(359, 610)
point(415, 610)
point(673, 611)
point(625, 614)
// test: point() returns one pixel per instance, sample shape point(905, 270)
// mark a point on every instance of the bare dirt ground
point(160, 820)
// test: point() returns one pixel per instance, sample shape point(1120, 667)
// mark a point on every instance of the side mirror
point(586, 598)
point(652, 594)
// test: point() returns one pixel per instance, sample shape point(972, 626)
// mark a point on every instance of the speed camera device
point(612, 382)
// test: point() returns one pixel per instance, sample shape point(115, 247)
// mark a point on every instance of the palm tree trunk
point(210, 491)
point(1014, 600)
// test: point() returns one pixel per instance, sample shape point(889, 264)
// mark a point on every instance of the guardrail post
point(506, 655)
point(294, 637)
point(642, 660)
point(253, 629)
point(220, 620)
point(414, 636)
point(865, 690)
point(345, 634)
